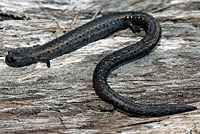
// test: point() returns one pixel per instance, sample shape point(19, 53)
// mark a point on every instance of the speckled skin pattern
point(95, 30)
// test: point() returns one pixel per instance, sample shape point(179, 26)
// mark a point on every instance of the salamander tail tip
point(189, 107)
point(179, 108)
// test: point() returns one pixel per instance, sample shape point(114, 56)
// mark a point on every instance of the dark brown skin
point(95, 30)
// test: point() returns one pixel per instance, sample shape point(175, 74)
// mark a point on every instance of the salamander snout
point(10, 59)
point(17, 59)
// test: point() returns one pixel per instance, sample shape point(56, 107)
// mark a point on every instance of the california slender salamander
point(93, 31)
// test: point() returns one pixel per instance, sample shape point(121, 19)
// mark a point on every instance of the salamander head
point(18, 58)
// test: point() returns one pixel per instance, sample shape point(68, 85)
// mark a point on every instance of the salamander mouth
point(12, 62)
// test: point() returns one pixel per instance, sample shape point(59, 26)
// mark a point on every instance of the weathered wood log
point(61, 99)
